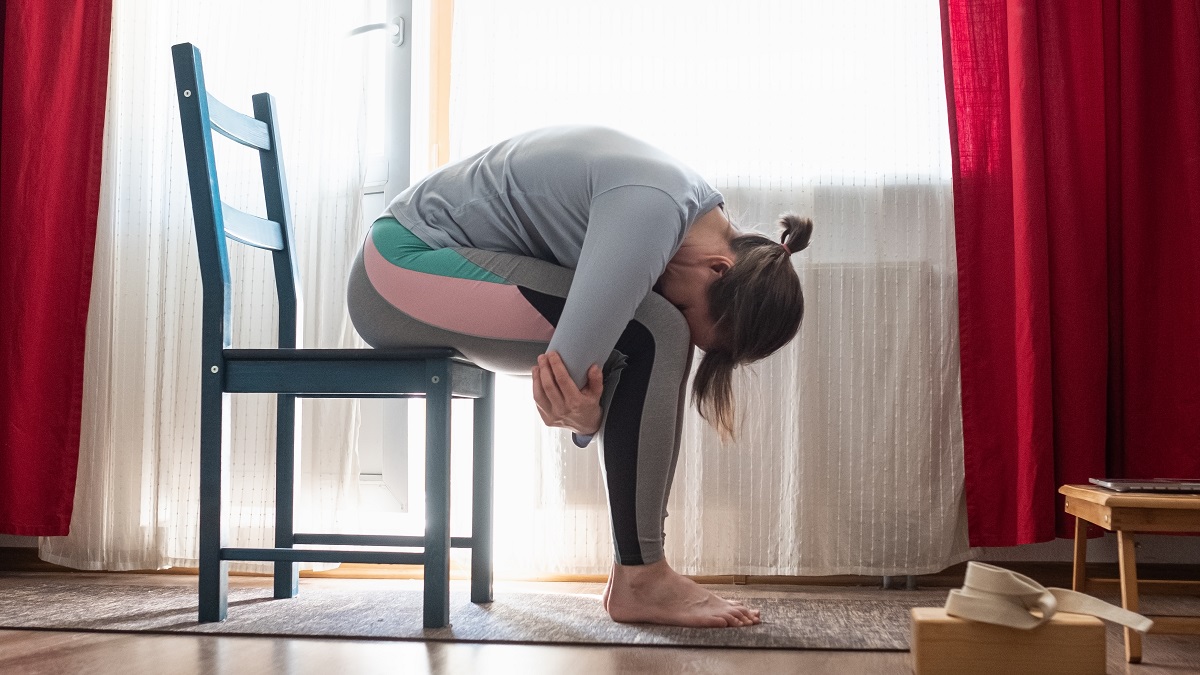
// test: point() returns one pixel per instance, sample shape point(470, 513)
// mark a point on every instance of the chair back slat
point(235, 126)
point(287, 277)
point(216, 221)
point(252, 230)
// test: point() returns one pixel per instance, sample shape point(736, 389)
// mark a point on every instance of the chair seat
point(358, 373)
point(415, 353)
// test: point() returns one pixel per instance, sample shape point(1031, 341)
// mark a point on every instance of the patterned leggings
point(499, 310)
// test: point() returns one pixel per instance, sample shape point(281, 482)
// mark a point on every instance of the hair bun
point(796, 231)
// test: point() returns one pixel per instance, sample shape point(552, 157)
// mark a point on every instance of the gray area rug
point(791, 619)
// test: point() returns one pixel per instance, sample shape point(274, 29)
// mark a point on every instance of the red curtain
point(55, 76)
point(1075, 130)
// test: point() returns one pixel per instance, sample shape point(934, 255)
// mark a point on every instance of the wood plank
point(236, 126)
point(482, 480)
point(1176, 625)
point(322, 555)
point(325, 377)
point(1094, 513)
point(343, 377)
point(399, 541)
point(24, 652)
point(413, 354)
point(466, 381)
point(1105, 497)
point(1149, 586)
point(1129, 593)
point(1079, 578)
point(1147, 519)
point(251, 230)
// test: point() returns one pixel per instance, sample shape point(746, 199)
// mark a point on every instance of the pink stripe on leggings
point(479, 308)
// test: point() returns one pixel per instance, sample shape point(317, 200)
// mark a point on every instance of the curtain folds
point(136, 506)
point(1076, 194)
point(848, 457)
point(55, 73)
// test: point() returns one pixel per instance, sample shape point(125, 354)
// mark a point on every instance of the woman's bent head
point(756, 306)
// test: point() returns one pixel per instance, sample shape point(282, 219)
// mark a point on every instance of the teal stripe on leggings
point(402, 248)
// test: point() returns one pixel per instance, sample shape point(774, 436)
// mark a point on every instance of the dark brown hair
point(756, 308)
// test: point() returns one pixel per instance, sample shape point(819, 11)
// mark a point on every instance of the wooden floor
point(25, 652)
point(42, 651)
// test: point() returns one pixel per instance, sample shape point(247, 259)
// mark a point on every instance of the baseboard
point(1058, 574)
point(25, 559)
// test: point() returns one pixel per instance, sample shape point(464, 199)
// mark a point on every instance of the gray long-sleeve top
point(605, 204)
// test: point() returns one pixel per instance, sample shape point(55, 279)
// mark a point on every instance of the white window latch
point(395, 28)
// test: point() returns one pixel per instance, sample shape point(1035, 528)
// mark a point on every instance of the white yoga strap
point(995, 595)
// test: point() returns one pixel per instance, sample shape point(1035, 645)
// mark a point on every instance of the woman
point(540, 254)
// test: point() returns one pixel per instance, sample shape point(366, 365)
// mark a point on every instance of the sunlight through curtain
point(849, 455)
point(136, 505)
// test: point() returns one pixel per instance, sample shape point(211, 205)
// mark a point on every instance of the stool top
point(1130, 500)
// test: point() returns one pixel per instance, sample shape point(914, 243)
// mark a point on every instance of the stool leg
point(1079, 569)
point(481, 497)
point(1129, 593)
point(437, 495)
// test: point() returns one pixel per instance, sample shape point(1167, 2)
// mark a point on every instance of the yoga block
point(1067, 644)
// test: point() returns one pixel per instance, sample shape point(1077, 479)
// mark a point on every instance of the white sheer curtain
point(136, 503)
point(849, 458)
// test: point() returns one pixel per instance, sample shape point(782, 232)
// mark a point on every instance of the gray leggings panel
point(645, 380)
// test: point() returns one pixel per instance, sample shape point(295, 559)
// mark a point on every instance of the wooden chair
point(291, 372)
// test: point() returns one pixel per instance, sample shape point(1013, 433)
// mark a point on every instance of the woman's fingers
point(562, 379)
point(539, 396)
point(560, 402)
point(595, 383)
point(550, 386)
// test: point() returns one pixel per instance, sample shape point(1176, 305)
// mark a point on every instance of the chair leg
point(287, 469)
point(481, 497)
point(214, 446)
point(437, 495)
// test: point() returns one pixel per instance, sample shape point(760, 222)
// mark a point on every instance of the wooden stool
point(1126, 513)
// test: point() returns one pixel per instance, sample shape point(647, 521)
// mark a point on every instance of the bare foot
point(655, 593)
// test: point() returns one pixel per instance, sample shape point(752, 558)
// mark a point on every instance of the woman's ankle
point(635, 575)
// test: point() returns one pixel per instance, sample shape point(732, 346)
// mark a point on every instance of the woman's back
point(535, 194)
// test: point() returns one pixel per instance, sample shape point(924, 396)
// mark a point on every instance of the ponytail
point(757, 306)
point(712, 391)
point(796, 232)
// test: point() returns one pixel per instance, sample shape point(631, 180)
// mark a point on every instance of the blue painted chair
point(435, 374)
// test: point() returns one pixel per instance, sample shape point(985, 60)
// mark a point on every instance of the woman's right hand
point(560, 402)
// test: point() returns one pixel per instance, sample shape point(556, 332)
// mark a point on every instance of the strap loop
point(998, 596)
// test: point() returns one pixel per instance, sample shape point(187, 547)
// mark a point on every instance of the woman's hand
point(560, 402)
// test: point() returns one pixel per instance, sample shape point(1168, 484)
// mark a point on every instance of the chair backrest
point(216, 221)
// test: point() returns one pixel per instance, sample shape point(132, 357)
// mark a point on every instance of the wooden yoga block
point(1068, 644)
